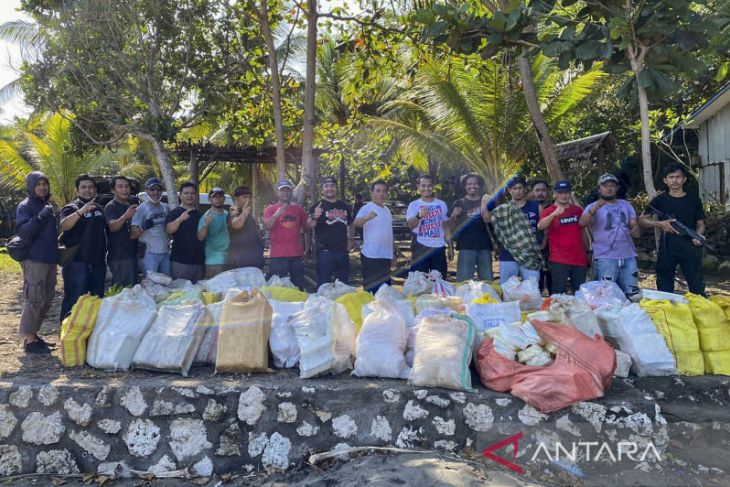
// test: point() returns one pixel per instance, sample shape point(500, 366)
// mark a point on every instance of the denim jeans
point(624, 272)
point(510, 268)
point(332, 264)
point(155, 263)
point(80, 278)
point(468, 259)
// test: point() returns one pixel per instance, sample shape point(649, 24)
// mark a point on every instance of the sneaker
point(37, 347)
point(48, 344)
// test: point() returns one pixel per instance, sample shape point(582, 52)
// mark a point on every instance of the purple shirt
point(610, 228)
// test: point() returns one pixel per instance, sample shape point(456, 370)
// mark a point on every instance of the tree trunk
point(168, 176)
point(263, 14)
point(637, 65)
point(306, 184)
point(547, 147)
point(194, 168)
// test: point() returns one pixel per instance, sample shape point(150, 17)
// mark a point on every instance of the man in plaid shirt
point(515, 224)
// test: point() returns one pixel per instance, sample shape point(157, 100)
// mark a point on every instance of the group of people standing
point(536, 239)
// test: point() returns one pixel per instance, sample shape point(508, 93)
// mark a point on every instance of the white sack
point(121, 323)
point(283, 341)
point(526, 292)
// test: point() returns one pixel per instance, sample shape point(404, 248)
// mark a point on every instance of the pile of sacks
point(550, 352)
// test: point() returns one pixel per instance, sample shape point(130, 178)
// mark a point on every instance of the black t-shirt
point(471, 231)
point(331, 228)
point(246, 248)
point(186, 248)
point(688, 210)
point(89, 234)
point(119, 243)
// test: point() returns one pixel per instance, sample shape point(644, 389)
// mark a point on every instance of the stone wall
point(273, 422)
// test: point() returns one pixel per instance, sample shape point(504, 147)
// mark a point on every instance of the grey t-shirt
point(154, 238)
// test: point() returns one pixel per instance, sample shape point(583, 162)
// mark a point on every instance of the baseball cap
point(284, 183)
point(328, 180)
point(562, 186)
point(606, 178)
point(516, 180)
point(215, 191)
point(242, 191)
point(153, 182)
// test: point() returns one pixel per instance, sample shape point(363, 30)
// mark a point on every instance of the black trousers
point(426, 259)
point(562, 272)
point(691, 265)
point(375, 272)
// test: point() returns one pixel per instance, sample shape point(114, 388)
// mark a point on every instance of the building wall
point(714, 150)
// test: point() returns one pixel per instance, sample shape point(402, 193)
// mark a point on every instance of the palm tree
point(45, 144)
point(472, 113)
point(27, 36)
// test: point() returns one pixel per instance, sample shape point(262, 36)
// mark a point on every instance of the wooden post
point(193, 167)
point(255, 196)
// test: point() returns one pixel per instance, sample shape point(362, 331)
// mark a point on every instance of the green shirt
point(217, 240)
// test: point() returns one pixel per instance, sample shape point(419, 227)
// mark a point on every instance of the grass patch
point(8, 265)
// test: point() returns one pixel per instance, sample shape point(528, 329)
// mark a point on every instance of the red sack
point(582, 369)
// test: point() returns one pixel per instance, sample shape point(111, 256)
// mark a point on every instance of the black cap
point(563, 186)
point(215, 191)
point(328, 180)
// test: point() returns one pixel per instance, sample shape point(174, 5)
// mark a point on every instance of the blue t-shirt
point(532, 210)
point(217, 240)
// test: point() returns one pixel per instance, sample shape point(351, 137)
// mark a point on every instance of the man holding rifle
point(681, 219)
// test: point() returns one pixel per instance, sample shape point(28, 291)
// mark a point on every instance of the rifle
point(684, 230)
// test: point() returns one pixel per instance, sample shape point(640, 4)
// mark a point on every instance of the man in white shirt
point(376, 253)
point(426, 217)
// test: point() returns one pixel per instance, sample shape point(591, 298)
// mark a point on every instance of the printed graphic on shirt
point(617, 222)
point(158, 218)
point(336, 215)
point(289, 221)
point(568, 220)
point(431, 225)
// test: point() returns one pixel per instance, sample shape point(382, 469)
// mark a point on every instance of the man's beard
point(608, 198)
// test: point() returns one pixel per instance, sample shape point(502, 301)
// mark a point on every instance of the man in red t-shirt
point(568, 259)
point(286, 221)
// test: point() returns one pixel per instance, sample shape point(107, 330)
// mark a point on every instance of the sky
point(10, 63)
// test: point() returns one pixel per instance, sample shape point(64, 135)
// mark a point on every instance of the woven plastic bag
point(676, 324)
point(333, 290)
point(353, 303)
point(633, 332)
point(723, 302)
point(440, 286)
point(486, 316)
point(381, 343)
point(122, 321)
point(76, 329)
point(582, 369)
point(172, 340)
point(283, 341)
point(243, 334)
point(276, 281)
point(599, 293)
point(526, 292)
point(713, 329)
point(208, 323)
point(443, 352)
point(434, 301)
point(574, 312)
point(245, 278)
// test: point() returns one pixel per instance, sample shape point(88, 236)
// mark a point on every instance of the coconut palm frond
point(21, 32)
point(573, 93)
point(13, 167)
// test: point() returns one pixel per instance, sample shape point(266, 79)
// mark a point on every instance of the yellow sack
point(353, 303)
point(717, 362)
point(712, 325)
point(288, 294)
point(676, 324)
point(76, 329)
point(723, 302)
point(210, 298)
point(243, 334)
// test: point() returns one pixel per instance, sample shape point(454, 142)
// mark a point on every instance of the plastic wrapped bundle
point(172, 340)
point(599, 293)
point(443, 353)
point(576, 313)
point(333, 290)
point(526, 292)
point(471, 290)
point(246, 278)
point(276, 281)
point(417, 283)
point(121, 323)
